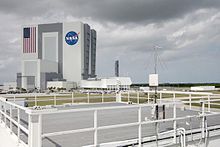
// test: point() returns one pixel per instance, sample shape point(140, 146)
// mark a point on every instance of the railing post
point(35, 100)
point(14, 98)
point(160, 97)
point(128, 96)
point(72, 98)
point(148, 97)
point(190, 101)
point(102, 96)
point(118, 97)
point(138, 98)
point(139, 127)
point(95, 127)
point(88, 97)
point(174, 96)
point(208, 103)
point(55, 100)
point(174, 123)
point(18, 116)
point(35, 130)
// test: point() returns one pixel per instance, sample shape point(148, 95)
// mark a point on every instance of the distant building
point(61, 84)
point(57, 51)
point(117, 68)
point(144, 89)
point(9, 86)
point(112, 83)
point(202, 88)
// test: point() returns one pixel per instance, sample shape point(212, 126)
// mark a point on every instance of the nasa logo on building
point(71, 38)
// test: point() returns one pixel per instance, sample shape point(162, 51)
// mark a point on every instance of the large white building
point(111, 83)
point(57, 52)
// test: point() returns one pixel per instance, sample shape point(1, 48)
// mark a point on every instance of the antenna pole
point(155, 71)
point(155, 59)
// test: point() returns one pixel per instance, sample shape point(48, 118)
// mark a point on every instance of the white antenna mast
point(155, 69)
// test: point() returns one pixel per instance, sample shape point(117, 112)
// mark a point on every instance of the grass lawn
point(78, 98)
point(95, 98)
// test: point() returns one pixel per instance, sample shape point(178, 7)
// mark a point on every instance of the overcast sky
point(187, 30)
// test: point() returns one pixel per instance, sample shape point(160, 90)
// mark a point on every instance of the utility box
point(153, 80)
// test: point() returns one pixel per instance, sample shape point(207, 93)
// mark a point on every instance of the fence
point(6, 114)
point(34, 133)
point(122, 96)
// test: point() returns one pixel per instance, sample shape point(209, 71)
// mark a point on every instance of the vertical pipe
point(95, 127)
point(139, 127)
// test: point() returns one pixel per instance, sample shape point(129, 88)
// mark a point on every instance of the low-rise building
point(202, 88)
point(9, 86)
point(111, 83)
point(65, 85)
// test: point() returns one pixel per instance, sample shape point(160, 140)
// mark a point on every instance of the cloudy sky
point(188, 32)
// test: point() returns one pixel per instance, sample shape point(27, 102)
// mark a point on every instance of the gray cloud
point(187, 30)
point(123, 11)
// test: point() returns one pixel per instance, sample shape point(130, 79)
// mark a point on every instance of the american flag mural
point(29, 40)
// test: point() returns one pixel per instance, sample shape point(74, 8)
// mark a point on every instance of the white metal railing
point(8, 107)
point(34, 130)
point(54, 98)
point(95, 127)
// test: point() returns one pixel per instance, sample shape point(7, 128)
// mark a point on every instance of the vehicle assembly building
point(57, 52)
